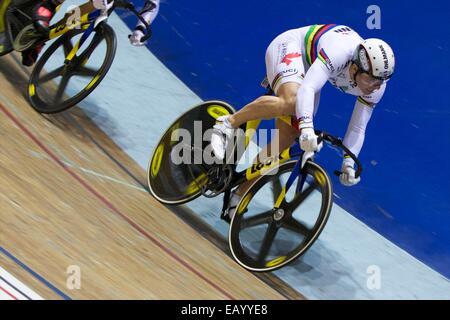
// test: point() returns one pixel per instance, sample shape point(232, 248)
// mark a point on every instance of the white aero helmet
point(375, 57)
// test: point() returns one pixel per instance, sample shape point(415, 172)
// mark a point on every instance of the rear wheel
point(265, 238)
point(176, 172)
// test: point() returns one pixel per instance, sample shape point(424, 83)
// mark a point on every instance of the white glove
point(347, 178)
point(308, 140)
point(135, 38)
point(102, 4)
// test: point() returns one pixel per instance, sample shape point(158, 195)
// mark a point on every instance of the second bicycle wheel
point(264, 238)
point(177, 170)
point(55, 85)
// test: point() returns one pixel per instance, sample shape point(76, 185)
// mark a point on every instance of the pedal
point(219, 178)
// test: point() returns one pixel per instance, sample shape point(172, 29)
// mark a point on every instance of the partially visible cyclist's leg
point(283, 139)
point(285, 72)
point(285, 136)
point(268, 107)
point(43, 13)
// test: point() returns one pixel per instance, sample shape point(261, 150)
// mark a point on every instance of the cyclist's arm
point(364, 105)
point(330, 58)
point(149, 13)
point(315, 79)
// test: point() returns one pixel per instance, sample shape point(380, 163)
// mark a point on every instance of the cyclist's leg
point(283, 139)
point(285, 72)
point(265, 107)
point(268, 107)
point(43, 13)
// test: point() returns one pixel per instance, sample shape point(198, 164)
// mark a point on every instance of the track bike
point(280, 215)
point(82, 32)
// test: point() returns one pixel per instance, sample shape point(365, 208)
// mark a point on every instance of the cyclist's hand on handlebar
point(103, 5)
point(135, 38)
point(347, 177)
point(308, 140)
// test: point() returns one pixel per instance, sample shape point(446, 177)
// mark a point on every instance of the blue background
point(217, 48)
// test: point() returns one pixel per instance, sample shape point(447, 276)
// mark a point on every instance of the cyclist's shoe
point(223, 133)
point(42, 14)
point(30, 56)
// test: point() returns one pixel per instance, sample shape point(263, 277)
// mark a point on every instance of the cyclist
point(298, 63)
point(45, 10)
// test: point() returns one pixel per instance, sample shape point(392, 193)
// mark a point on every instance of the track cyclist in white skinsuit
point(298, 63)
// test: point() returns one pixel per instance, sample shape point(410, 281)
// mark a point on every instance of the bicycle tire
point(241, 254)
point(157, 184)
point(106, 33)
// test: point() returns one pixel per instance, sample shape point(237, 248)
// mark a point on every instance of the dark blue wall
point(217, 48)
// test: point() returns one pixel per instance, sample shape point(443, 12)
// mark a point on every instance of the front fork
point(84, 16)
point(297, 172)
point(96, 14)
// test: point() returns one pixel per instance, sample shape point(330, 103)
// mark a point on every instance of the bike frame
point(292, 152)
point(88, 15)
point(260, 168)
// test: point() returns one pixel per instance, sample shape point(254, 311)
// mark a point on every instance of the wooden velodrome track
point(70, 196)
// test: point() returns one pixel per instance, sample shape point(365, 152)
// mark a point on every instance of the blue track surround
point(217, 48)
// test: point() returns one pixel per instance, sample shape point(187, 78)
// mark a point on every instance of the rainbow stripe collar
point(312, 40)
